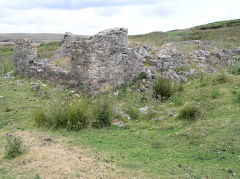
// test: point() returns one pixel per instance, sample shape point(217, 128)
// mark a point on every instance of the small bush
point(13, 146)
point(164, 88)
point(189, 112)
point(133, 113)
point(102, 114)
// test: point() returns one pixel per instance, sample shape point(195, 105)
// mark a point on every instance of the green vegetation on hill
point(225, 32)
point(220, 24)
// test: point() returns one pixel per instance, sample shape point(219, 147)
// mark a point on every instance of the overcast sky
point(87, 17)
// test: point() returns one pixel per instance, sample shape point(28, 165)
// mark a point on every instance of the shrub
point(164, 88)
point(102, 114)
point(189, 112)
point(133, 113)
point(13, 146)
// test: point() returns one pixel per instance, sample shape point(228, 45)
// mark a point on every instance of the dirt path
point(51, 159)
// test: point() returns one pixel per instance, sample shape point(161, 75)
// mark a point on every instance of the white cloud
point(138, 16)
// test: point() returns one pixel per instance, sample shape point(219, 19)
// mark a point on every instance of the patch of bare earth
point(51, 159)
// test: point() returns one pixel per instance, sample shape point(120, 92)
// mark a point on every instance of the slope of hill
point(227, 33)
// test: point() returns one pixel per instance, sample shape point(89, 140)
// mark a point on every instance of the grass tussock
point(164, 88)
point(74, 115)
point(189, 112)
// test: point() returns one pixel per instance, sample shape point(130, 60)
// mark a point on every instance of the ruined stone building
point(96, 64)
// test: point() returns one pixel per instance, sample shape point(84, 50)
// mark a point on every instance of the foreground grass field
point(156, 144)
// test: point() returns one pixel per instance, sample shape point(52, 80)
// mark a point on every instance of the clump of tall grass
point(164, 88)
point(189, 112)
point(74, 115)
point(102, 113)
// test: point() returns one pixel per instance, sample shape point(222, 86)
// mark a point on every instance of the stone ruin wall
point(98, 63)
point(103, 61)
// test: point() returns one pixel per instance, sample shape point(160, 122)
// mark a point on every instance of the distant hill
point(38, 38)
point(225, 32)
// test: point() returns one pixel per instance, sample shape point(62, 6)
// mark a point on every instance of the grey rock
point(143, 110)
point(118, 123)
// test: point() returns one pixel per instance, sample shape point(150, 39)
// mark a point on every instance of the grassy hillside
point(157, 143)
point(225, 32)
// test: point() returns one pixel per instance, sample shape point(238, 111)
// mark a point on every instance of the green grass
point(167, 147)
point(220, 24)
point(47, 50)
point(6, 59)
point(6, 50)
point(6, 65)
point(226, 32)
